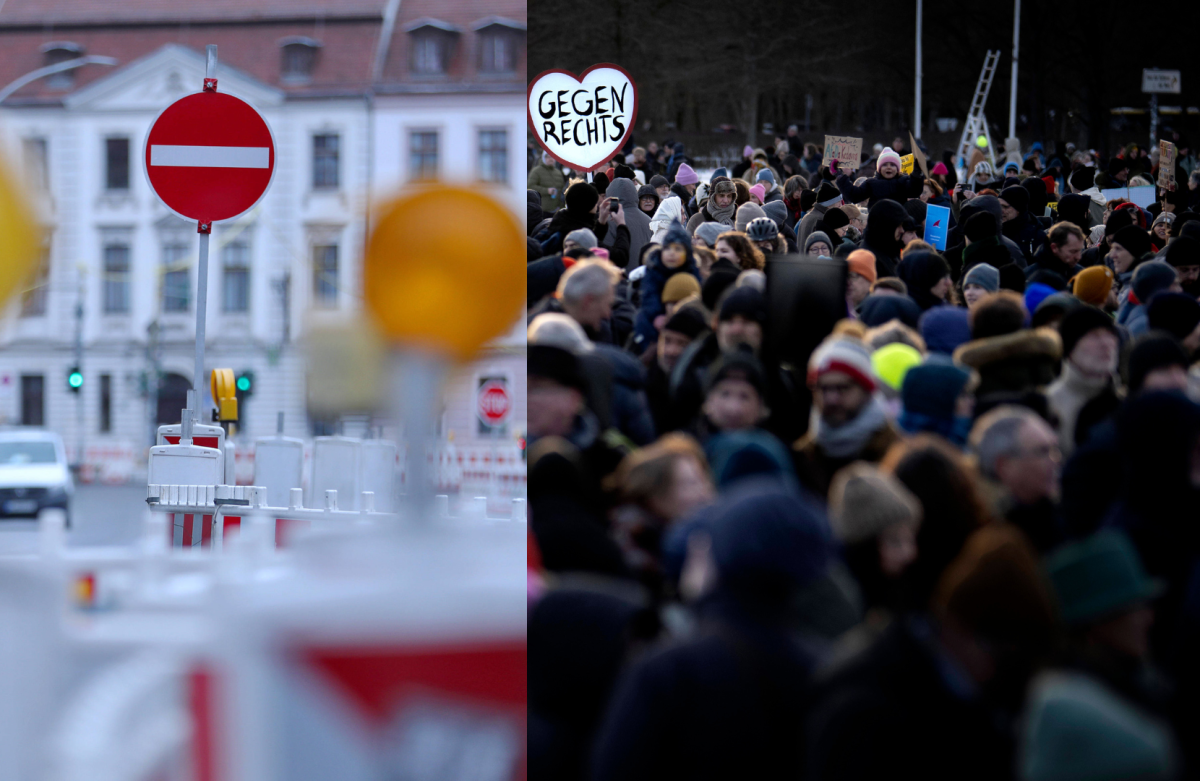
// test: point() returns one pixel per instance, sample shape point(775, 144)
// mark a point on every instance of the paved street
point(101, 515)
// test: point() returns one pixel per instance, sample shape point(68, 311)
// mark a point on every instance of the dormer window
point(433, 44)
point(499, 43)
point(299, 58)
point(57, 52)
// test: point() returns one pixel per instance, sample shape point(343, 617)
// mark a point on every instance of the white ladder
point(976, 123)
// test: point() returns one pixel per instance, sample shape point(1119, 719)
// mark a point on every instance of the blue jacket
point(655, 279)
point(1134, 317)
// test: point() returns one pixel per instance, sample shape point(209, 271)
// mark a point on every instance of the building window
point(37, 173)
point(176, 288)
point(325, 276)
point(299, 57)
point(325, 161)
point(105, 403)
point(58, 52)
point(493, 155)
point(429, 54)
point(116, 158)
point(423, 155)
point(33, 300)
point(497, 54)
point(116, 279)
point(235, 278)
point(33, 400)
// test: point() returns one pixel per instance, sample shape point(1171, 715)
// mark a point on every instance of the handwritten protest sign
point(582, 121)
point(906, 164)
point(847, 151)
point(1166, 165)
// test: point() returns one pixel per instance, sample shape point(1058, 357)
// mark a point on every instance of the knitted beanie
point(984, 275)
point(1153, 350)
point(687, 320)
point(1092, 285)
point(1134, 239)
point(1152, 277)
point(685, 175)
point(849, 356)
point(892, 362)
point(944, 328)
point(583, 237)
point(1016, 197)
point(863, 501)
point(765, 175)
point(745, 214)
point(980, 225)
point(776, 210)
point(679, 287)
point(759, 190)
point(709, 231)
point(888, 155)
point(933, 389)
point(1176, 313)
point(862, 262)
point(1080, 322)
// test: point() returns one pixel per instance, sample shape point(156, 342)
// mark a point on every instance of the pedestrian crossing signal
point(74, 379)
point(245, 383)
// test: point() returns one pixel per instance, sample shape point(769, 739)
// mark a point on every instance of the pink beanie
point(747, 151)
point(760, 191)
point(888, 155)
point(685, 175)
point(940, 170)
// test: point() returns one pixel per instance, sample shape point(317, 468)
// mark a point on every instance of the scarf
point(723, 216)
point(849, 439)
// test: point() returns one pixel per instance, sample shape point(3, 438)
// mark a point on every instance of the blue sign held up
point(937, 225)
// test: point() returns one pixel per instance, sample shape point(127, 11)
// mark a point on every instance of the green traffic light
point(243, 384)
point(75, 380)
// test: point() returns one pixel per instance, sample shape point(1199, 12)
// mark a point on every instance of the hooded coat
point(653, 282)
point(625, 191)
point(880, 236)
point(1016, 363)
point(648, 191)
point(669, 211)
point(990, 204)
point(920, 272)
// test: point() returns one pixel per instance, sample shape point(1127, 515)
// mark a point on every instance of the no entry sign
point(209, 156)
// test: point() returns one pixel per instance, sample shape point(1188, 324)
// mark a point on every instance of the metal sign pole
point(205, 230)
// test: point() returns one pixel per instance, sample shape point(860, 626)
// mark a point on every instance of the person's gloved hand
point(831, 173)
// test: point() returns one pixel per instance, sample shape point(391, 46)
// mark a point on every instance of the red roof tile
point(464, 64)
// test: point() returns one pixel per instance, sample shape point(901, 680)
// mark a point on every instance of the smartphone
point(613, 205)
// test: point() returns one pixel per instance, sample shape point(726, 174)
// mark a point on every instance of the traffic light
point(74, 379)
point(245, 384)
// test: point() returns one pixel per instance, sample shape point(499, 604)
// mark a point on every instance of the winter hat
point(716, 284)
point(1167, 217)
point(1035, 293)
point(888, 155)
point(828, 194)
point(658, 180)
point(1051, 279)
point(768, 540)
point(863, 501)
point(718, 173)
point(816, 236)
point(916, 209)
point(1080, 322)
point(984, 275)
point(677, 234)
point(944, 328)
point(997, 590)
point(737, 455)
point(893, 361)
point(777, 211)
point(807, 200)
point(679, 287)
point(1152, 277)
point(600, 182)
point(1074, 208)
point(862, 262)
point(688, 320)
point(998, 315)
point(737, 365)
point(939, 169)
point(980, 226)
point(746, 213)
point(580, 198)
point(849, 356)
point(759, 191)
point(1183, 251)
point(762, 229)
point(722, 185)
point(685, 175)
point(1092, 285)
point(1176, 313)
point(1012, 278)
point(1098, 577)
point(983, 167)
point(1153, 350)
point(1077, 728)
point(1134, 239)
point(833, 219)
point(709, 231)
point(1189, 228)
point(583, 237)
point(747, 151)
point(765, 175)
point(1082, 178)
point(1117, 220)
point(746, 301)
point(933, 389)
point(879, 309)
point(1016, 197)
point(1053, 308)
point(555, 363)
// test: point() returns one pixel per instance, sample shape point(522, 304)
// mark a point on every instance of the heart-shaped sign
point(583, 121)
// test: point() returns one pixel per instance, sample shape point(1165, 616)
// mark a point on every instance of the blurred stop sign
point(494, 402)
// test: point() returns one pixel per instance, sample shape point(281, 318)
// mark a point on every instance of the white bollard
point(519, 511)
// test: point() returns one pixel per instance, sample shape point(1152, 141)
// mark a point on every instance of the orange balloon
point(445, 270)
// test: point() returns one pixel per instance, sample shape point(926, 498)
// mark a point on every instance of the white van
point(34, 473)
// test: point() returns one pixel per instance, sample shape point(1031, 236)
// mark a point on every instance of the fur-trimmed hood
point(1026, 343)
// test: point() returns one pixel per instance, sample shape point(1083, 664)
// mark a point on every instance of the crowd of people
point(957, 539)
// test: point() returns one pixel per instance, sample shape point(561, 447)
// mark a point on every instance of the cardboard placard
point(582, 121)
point(1166, 165)
point(937, 225)
point(846, 150)
point(919, 155)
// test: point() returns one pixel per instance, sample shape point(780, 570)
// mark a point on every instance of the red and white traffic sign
point(493, 402)
point(209, 156)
